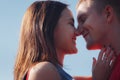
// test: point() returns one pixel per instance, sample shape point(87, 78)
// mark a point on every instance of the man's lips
point(85, 34)
point(74, 38)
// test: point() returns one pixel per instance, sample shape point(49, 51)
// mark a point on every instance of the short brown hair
point(100, 5)
point(79, 1)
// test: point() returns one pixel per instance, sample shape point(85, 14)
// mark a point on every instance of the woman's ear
point(108, 11)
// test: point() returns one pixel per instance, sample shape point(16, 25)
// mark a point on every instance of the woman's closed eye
point(72, 24)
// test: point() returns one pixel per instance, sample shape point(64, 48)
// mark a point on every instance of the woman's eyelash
point(72, 24)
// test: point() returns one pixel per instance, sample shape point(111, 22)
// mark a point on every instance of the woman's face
point(64, 33)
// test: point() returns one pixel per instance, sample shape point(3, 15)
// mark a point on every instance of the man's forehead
point(83, 8)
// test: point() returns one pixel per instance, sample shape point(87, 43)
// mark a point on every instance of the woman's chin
point(74, 51)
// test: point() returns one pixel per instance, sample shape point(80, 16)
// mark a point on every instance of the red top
point(27, 75)
point(115, 75)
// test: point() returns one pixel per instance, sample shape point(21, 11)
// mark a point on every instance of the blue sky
point(11, 13)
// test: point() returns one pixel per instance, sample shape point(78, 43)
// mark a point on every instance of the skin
point(92, 24)
point(102, 67)
point(43, 69)
point(99, 30)
point(64, 44)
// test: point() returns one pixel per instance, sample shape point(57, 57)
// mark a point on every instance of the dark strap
point(26, 75)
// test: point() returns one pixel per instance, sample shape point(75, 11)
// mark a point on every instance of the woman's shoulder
point(44, 71)
point(42, 65)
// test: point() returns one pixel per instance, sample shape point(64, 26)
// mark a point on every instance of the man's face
point(91, 25)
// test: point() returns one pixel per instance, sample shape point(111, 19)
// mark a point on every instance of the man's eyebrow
point(79, 15)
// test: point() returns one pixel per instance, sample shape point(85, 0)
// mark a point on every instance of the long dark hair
point(36, 38)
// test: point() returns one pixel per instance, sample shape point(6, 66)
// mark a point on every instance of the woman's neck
point(60, 56)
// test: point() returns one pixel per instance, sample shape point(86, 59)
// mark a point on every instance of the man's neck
point(113, 38)
point(115, 43)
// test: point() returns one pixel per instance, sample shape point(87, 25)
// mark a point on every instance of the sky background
point(11, 13)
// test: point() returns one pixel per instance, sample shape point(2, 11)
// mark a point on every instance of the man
point(99, 23)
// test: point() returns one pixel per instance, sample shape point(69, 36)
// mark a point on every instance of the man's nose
point(79, 31)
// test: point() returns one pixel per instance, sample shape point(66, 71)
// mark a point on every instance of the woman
point(47, 34)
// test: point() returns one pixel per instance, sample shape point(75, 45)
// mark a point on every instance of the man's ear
point(108, 11)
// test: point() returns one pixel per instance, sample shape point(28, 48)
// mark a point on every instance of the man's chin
point(93, 47)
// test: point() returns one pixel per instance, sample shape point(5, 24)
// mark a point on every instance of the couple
point(48, 34)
